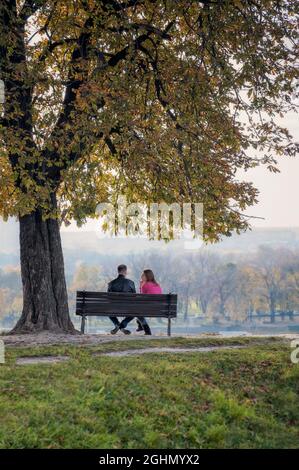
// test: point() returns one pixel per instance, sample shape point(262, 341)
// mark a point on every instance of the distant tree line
point(210, 286)
point(213, 286)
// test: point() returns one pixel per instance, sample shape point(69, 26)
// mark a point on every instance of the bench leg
point(83, 324)
point(169, 327)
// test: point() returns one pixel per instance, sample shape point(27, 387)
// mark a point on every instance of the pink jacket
point(150, 288)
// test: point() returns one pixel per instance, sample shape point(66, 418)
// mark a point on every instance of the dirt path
point(50, 339)
point(129, 352)
point(137, 352)
point(23, 361)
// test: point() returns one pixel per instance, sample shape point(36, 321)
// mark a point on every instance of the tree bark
point(272, 315)
point(272, 309)
point(45, 301)
point(186, 310)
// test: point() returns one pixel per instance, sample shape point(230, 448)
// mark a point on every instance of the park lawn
point(240, 398)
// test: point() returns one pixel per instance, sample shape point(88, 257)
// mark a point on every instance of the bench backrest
point(126, 304)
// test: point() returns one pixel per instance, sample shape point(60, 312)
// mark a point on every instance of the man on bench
point(122, 284)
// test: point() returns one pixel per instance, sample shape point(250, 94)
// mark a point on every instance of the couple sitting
point(148, 285)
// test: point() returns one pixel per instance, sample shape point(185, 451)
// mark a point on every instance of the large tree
point(159, 100)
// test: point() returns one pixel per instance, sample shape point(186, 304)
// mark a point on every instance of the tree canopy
point(159, 100)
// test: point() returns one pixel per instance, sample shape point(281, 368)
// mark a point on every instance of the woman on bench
point(148, 285)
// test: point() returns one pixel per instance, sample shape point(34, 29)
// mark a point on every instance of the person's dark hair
point(149, 276)
point(121, 268)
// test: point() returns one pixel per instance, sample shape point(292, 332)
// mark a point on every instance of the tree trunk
point(204, 307)
point(272, 310)
point(45, 302)
point(186, 310)
point(222, 308)
point(272, 315)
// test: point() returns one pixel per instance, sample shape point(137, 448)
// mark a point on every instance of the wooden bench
point(119, 304)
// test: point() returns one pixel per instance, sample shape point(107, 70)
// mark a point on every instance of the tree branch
point(29, 8)
point(117, 7)
point(136, 26)
point(49, 48)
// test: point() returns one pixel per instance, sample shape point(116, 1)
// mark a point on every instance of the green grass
point(241, 398)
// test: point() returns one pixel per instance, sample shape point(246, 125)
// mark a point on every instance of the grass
point(241, 398)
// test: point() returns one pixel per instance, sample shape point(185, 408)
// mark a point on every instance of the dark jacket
point(121, 284)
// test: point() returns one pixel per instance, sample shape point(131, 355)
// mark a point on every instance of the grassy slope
point(239, 398)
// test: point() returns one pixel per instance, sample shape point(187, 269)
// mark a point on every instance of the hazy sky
point(279, 192)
